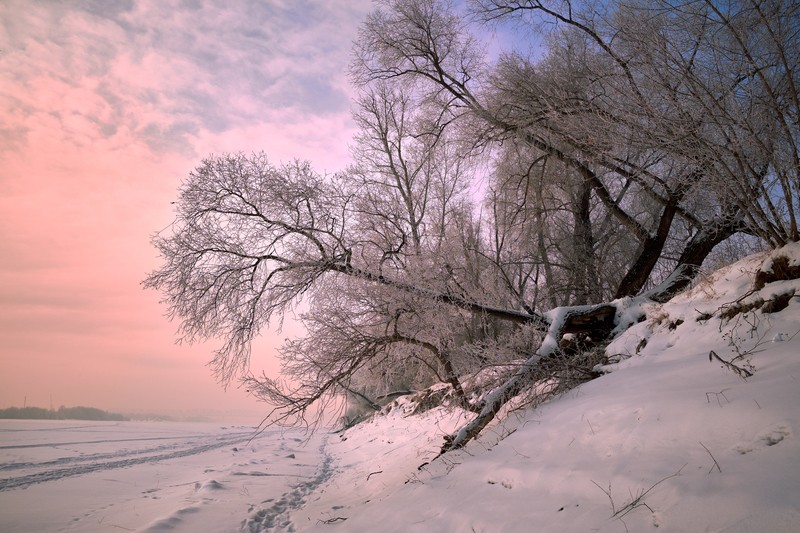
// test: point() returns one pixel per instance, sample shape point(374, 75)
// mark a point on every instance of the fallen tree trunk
point(599, 320)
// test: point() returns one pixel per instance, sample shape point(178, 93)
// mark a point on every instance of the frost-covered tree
point(641, 136)
point(626, 97)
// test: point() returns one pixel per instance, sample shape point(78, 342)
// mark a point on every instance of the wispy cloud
point(160, 72)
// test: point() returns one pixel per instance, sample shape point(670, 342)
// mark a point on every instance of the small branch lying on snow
point(741, 371)
point(332, 520)
point(373, 473)
point(636, 501)
point(717, 395)
point(716, 464)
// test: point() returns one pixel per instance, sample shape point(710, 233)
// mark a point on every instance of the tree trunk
point(586, 285)
point(694, 253)
point(596, 318)
point(649, 254)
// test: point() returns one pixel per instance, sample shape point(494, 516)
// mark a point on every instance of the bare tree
point(583, 86)
point(251, 239)
point(698, 93)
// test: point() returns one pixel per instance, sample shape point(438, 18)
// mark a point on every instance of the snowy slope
point(668, 440)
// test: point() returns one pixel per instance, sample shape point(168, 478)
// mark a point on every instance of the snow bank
point(668, 440)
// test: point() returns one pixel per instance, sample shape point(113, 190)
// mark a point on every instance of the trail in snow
point(85, 463)
point(74, 443)
point(278, 515)
point(182, 441)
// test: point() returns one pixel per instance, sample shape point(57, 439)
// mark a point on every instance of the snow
point(666, 440)
point(154, 477)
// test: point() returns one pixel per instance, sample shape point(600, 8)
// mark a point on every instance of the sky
point(105, 107)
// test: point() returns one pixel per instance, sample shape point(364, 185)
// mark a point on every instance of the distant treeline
point(63, 413)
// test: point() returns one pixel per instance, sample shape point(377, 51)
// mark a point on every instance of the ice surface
point(148, 476)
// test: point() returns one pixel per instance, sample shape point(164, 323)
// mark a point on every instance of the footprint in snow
point(768, 438)
point(278, 515)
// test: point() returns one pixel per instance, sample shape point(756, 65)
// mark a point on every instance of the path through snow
point(277, 516)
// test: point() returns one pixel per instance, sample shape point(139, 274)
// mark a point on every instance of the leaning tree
point(640, 136)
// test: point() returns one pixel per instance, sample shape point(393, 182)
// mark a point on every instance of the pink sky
point(104, 108)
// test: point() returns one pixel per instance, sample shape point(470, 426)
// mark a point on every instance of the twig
point(717, 395)
point(716, 464)
point(520, 454)
point(373, 473)
point(607, 493)
point(332, 520)
point(636, 501)
point(742, 372)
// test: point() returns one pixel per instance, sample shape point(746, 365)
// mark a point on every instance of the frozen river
point(153, 476)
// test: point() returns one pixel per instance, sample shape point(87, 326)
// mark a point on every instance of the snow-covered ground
point(85, 477)
point(670, 439)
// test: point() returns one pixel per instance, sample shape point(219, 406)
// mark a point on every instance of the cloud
point(161, 72)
